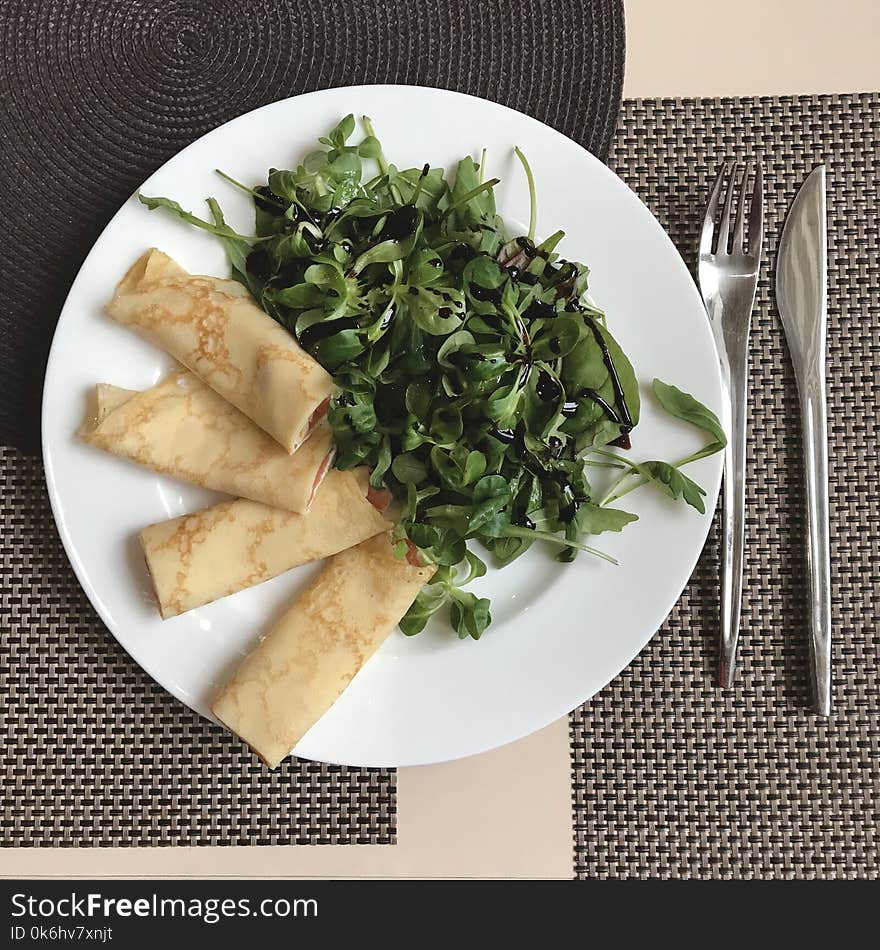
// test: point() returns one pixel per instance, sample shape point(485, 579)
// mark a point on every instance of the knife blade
point(801, 287)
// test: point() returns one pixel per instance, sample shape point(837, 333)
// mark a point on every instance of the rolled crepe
point(198, 558)
point(301, 667)
point(215, 328)
point(182, 428)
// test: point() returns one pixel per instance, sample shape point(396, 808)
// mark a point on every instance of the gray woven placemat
point(672, 777)
point(95, 753)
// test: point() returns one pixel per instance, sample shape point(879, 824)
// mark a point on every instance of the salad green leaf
point(683, 406)
point(476, 378)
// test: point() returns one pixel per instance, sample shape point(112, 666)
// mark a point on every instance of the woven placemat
point(95, 95)
point(673, 777)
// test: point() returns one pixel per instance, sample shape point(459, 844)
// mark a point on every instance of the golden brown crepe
point(215, 328)
point(301, 667)
point(103, 399)
point(182, 428)
point(198, 558)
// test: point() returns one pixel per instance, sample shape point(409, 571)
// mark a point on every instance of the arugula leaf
point(684, 406)
point(221, 230)
point(593, 519)
point(506, 550)
point(674, 482)
point(472, 206)
point(237, 248)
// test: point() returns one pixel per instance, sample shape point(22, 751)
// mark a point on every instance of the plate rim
point(561, 709)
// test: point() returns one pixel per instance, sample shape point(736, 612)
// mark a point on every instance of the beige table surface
point(517, 820)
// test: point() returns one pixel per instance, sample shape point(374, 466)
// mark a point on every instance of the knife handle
point(815, 436)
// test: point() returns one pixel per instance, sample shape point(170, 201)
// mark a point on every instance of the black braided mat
point(95, 95)
point(672, 777)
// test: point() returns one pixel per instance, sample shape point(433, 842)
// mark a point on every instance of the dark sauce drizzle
point(527, 247)
point(624, 419)
point(461, 254)
point(547, 389)
point(313, 335)
point(486, 294)
point(568, 510)
point(259, 264)
point(266, 200)
point(570, 408)
point(399, 224)
point(539, 310)
point(515, 437)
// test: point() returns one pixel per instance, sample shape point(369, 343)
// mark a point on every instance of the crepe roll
point(198, 558)
point(215, 328)
point(182, 428)
point(312, 653)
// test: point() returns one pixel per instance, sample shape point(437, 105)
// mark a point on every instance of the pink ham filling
point(322, 471)
point(318, 414)
point(312, 424)
point(379, 498)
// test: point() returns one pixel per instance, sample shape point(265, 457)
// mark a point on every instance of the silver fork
point(728, 275)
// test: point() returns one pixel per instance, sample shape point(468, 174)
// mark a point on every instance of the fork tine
point(724, 224)
point(740, 212)
point(711, 211)
point(756, 214)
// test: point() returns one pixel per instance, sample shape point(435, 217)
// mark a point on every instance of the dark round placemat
point(94, 96)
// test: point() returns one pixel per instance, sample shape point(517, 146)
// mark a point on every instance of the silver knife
point(801, 282)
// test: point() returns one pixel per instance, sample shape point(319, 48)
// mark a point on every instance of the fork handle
point(733, 517)
point(815, 442)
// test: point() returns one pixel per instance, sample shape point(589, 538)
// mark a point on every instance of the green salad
point(477, 380)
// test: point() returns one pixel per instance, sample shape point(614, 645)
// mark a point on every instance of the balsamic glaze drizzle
point(399, 224)
point(609, 411)
point(538, 310)
point(313, 335)
point(486, 294)
point(625, 419)
point(547, 389)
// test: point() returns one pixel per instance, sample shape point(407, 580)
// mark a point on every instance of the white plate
point(560, 632)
